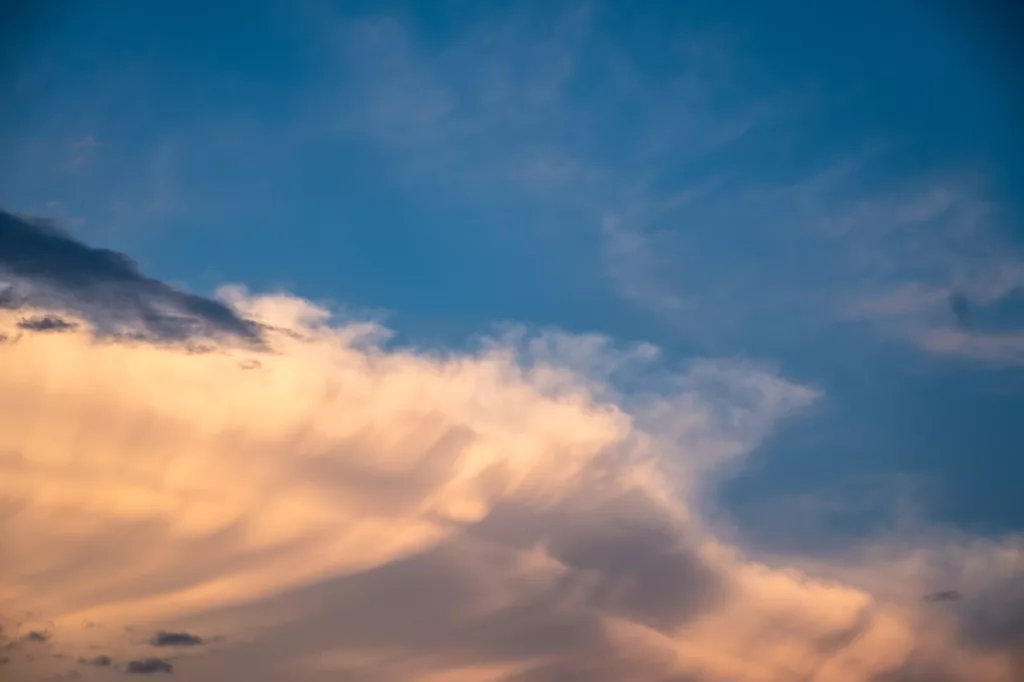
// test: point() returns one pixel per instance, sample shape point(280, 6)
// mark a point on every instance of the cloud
point(41, 266)
point(101, 661)
point(87, 142)
point(945, 321)
point(527, 510)
point(503, 109)
point(1001, 348)
point(37, 636)
point(149, 666)
point(932, 262)
point(631, 261)
point(175, 639)
point(46, 323)
point(994, 617)
point(960, 307)
point(943, 596)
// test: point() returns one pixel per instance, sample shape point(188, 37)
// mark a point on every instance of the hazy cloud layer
point(346, 511)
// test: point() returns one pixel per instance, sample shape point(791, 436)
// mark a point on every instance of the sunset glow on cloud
point(511, 342)
point(328, 505)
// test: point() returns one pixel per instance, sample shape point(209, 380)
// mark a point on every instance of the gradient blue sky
point(833, 189)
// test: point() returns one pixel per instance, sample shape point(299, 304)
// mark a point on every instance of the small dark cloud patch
point(942, 596)
point(149, 666)
point(47, 323)
point(250, 364)
point(43, 266)
point(175, 639)
point(37, 636)
point(960, 307)
point(98, 661)
point(4, 660)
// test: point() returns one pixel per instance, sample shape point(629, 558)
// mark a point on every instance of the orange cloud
point(329, 506)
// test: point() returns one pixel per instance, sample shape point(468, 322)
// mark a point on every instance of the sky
point(512, 342)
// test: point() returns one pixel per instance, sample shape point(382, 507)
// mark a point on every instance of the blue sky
point(799, 185)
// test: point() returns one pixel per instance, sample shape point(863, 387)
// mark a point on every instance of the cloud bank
point(323, 505)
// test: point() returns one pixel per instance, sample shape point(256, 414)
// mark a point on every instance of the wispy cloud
point(82, 153)
point(87, 142)
point(499, 112)
point(637, 267)
point(935, 265)
point(1005, 348)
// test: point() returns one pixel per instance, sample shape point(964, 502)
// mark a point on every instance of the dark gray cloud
point(41, 265)
point(993, 619)
point(918, 669)
point(46, 323)
point(989, 620)
point(621, 556)
point(942, 596)
point(102, 661)
point(149, 666)
point(647, 571)
point(636, 559)
point(960, 307)
point(175, 639)
point(37, 636)
point(428, 607)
